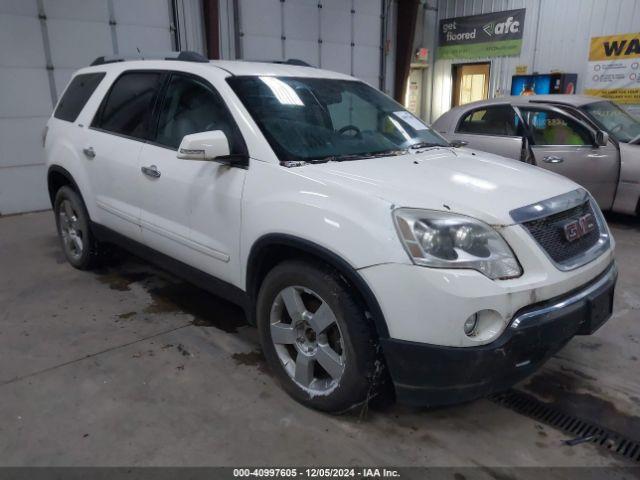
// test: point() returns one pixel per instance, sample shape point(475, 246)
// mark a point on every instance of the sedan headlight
point(446, 240)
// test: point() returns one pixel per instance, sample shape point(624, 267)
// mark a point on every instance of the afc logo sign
point(576, 229)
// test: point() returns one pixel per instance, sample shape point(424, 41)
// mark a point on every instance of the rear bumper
point(430, 375)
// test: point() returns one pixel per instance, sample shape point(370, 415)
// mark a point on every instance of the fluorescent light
point(283, 92)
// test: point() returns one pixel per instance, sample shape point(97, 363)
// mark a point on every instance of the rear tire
point(316, 338)
point(72, 221)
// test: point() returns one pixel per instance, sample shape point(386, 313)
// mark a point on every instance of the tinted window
point(77, 95)
point(127, 108)
point(499, 120)
point(192, 106)
point(551, 128)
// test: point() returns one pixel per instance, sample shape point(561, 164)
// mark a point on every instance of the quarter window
point(77, 94)
point(551, 128)
point(128, 107)
point(498, 120)
point(191, 106)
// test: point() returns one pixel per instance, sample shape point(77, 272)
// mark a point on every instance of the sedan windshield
point(318, 119)
point(614, 120)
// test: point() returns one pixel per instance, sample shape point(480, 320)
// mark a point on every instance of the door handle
point(553, 159)
point(151, 171)
point(89, 152)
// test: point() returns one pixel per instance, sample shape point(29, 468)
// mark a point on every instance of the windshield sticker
point(413, 122)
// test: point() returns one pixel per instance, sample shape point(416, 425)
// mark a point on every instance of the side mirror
point(458, 143)
point(602, 138)
point(204, 146)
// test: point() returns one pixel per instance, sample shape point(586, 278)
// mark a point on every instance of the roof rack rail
point(184, 56)
point(293, 61)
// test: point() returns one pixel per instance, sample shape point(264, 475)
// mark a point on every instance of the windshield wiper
point(356, 156)
point(424, 145)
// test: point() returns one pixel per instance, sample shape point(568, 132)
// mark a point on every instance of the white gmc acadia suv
point(371, 254)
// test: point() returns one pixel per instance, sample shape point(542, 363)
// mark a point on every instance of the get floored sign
point(495, 34)
point(614, 68)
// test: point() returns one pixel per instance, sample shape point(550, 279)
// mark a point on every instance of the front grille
point(549, 233)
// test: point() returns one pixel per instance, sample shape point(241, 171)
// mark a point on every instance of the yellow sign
point(614, 68)
point(521, 69)
point(615, 47)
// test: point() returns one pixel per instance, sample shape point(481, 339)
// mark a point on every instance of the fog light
point(470, 325)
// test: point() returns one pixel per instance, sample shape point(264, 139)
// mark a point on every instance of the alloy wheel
point(307, 339)
point(70, 229)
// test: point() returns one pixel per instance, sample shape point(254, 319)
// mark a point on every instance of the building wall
point(556, 37)
point(340, 35)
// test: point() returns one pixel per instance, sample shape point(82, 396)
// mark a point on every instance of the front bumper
point(430, 375)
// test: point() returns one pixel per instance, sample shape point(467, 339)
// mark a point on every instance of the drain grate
point(581, 430)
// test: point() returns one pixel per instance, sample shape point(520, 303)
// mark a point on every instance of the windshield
point(319, 119)
point(614, 120)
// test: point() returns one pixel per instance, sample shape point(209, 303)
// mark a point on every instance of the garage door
point(340, 35)
point(43, 42)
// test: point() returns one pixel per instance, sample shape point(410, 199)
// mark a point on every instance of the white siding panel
point(68, 52)
point(366, 63)
point(301, 20)
point(21, 141)
point(261, 17)
point(149, 39)
point(25, 92)
point(150, 13)
point(21, 42)
point(366, 29)
point(261, 48)
point(305, 50)
point(23, 189)
point(261, 29)
point(336, 26)
point(19, 7)
point(91, 10)
point(336, 57)
point(368, 7)
point(302, 31)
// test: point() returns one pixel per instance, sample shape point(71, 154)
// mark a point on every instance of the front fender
point(355, 226)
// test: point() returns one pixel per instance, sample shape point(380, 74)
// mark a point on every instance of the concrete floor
point(130, 366)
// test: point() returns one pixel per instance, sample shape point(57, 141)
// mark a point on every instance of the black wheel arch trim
point(65, 173)
point(350, 274)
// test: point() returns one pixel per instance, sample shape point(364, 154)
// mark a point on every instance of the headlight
point(446, 240)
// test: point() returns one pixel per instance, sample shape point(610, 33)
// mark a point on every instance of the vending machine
point(543, 83)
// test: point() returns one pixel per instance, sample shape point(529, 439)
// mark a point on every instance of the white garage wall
point(556, 37)
point(41, 43)
point(340, 35)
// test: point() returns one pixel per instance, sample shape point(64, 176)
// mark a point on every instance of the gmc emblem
point(576, 229)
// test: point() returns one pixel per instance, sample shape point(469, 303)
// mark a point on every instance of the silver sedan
point(588, 139)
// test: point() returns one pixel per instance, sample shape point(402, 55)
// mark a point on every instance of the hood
point(473, 183)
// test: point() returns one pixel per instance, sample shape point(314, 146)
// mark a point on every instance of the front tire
point(316, 338)
point(72, 221)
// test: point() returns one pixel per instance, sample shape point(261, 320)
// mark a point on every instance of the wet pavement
point(132, 366)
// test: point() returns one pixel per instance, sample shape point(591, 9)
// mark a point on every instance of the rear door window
point(77, 95)
point(499, 120)
point(127, 108)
